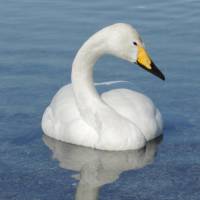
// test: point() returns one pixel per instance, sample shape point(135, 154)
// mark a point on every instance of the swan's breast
point(63, 105)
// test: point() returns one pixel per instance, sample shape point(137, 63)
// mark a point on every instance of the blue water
point(38, 40)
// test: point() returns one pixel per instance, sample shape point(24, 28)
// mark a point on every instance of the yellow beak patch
point(143, 58)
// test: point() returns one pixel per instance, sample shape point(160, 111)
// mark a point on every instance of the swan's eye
point(135, 43)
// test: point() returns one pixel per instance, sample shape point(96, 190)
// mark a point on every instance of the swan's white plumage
point(63, 122)
point(120, 119)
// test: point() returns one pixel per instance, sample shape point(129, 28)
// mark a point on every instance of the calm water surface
point(38, 40)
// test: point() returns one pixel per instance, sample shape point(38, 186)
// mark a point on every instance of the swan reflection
point(98, 167)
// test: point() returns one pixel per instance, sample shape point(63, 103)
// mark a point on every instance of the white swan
point(120, 119)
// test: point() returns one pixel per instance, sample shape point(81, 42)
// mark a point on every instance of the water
point(38, 40)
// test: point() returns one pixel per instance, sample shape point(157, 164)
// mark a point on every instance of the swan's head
point(125, 42)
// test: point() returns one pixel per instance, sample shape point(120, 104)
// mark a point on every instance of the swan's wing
point(136, 107)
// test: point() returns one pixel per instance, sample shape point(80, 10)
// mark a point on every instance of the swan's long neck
point(87, 98)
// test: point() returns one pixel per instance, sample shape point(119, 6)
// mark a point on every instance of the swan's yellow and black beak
point(144, 61)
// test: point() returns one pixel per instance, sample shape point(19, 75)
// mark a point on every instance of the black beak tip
point(162, 77)
point(154, 70)
point(157, 72)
